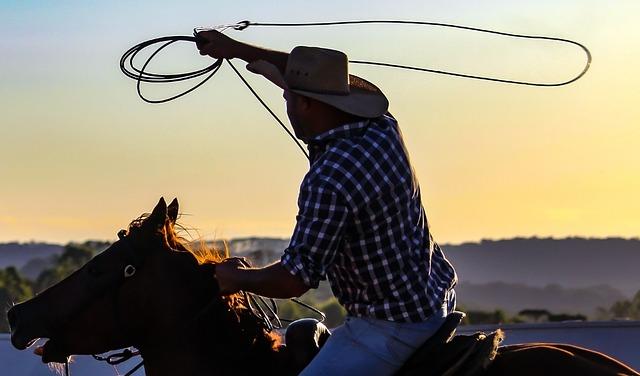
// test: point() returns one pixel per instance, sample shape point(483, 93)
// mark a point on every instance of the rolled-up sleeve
point(322, 213)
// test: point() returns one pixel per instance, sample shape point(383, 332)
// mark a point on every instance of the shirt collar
point(318, 144)
point(344, 131)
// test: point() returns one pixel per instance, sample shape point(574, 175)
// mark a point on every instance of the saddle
point(447, 354)
point(443, 354)
point(304, 338)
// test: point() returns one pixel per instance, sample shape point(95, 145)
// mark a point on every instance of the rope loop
point(140, 75)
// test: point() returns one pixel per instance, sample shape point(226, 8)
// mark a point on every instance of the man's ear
point(172, 210)
point(158, 216)
point(305, 103)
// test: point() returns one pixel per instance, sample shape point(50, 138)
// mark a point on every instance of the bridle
point(133, 262)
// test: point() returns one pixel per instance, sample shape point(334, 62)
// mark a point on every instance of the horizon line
point(240, 238)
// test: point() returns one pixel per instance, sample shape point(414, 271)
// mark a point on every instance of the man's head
point(319, 91)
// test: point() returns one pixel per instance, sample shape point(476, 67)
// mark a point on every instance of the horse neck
point(197, 356)
point(174, 361)
point(210, 343)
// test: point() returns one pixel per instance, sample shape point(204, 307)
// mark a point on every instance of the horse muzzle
point(25, 330)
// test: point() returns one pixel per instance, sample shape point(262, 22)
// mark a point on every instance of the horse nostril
point(12, 317)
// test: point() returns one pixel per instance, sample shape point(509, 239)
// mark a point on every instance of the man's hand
point(217, 45)
point(229, 275)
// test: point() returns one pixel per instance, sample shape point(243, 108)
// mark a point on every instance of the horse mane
point(241, 316)
point(199, 249)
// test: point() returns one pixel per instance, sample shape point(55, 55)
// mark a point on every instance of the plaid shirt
point(361, 224)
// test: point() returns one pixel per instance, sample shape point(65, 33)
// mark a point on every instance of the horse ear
point(158, 216)
point(172, 210)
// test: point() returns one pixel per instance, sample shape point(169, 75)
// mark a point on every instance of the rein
point(266, 309)
point(117, 358)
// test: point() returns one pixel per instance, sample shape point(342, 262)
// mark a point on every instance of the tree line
point(15, 288)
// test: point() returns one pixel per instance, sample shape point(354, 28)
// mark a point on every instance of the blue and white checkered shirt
point(361, 224)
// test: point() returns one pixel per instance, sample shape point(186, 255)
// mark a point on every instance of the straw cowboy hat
point(322, 74)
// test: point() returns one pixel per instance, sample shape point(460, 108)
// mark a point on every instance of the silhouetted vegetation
point(73, 257)
point(331, 308)
point(535, 315)
point(498, 316)
point(622, 310)
point(481, 317)
point(542, 315)
point(15, 288)
point(566, 317)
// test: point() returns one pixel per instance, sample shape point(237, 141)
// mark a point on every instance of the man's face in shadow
point(297, 111)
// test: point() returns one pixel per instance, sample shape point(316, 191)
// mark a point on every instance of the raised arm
point(218, 45)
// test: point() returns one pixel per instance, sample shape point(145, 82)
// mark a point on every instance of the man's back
point(361, 223)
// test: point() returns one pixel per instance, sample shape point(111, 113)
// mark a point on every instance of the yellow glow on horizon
point(81, 155)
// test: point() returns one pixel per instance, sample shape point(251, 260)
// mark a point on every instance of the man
point(360, 223)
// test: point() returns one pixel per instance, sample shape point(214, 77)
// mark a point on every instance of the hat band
point(323, 91)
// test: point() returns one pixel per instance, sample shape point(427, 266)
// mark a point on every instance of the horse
point(152, 291)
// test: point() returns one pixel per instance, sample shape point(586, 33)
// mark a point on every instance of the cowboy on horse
point(360, 224)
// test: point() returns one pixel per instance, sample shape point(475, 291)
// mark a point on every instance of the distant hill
point(32, 258)
point(538, 262)
point(562, 275)
point(19, 254)
point(574, 263)
point(573, 275)
point(514, 298)
point(261, 251)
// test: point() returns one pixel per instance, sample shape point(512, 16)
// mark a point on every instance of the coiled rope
point(141, 75)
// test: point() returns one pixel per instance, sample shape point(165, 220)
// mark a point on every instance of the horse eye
point(129, 271)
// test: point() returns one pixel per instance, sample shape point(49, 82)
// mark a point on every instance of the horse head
point(134, 293)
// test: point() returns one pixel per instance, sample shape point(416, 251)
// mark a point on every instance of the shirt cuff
point(297, 265)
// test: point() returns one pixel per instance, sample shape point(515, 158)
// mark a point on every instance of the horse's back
point(553, 359)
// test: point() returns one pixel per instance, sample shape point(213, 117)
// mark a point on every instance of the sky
point(81, 155)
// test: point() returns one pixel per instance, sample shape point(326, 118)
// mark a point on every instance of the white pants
point(372, 347)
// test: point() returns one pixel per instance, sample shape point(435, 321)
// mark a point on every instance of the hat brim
point(364, 99)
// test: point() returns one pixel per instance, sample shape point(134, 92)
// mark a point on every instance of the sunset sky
point(81, 155)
